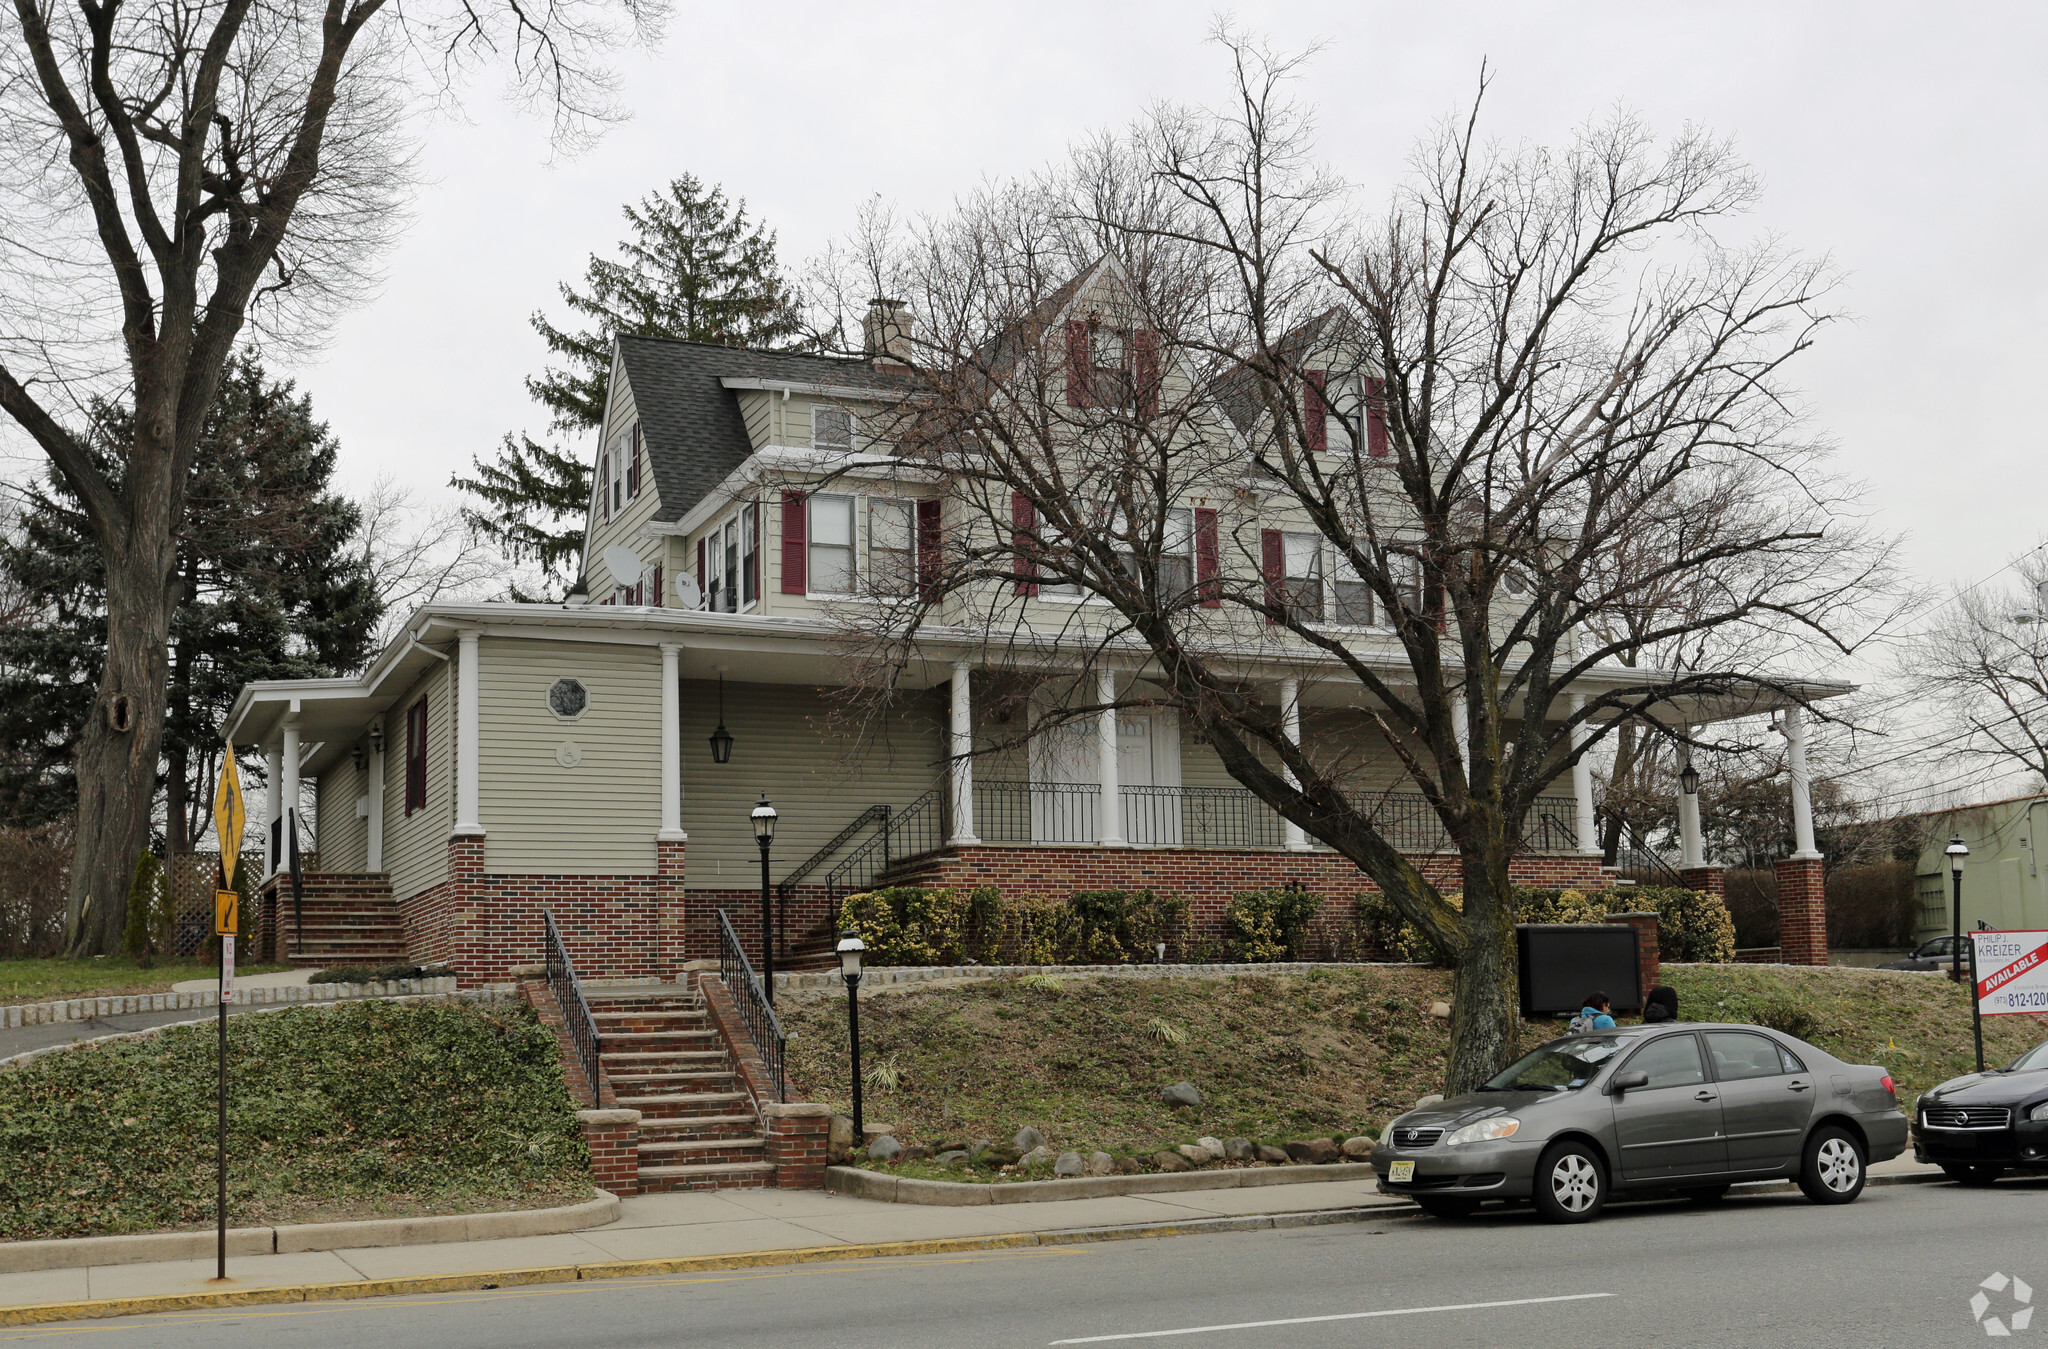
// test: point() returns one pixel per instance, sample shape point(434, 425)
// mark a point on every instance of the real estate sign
point(2012, 972)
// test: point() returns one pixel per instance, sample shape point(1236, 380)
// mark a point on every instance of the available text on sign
point(2012, 972)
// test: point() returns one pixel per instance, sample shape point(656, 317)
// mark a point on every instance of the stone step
point(690, 1105)
point(716, 1176)
point(664, 1058)
point(699, 1125)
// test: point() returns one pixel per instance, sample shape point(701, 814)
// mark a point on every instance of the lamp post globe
point(850, 950)
point(764, 818)
point(1958, 853)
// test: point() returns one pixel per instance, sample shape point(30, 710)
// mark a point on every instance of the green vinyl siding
point(416, 845)
point(342, 833)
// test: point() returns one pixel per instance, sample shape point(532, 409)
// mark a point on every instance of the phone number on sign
point(2020, 998)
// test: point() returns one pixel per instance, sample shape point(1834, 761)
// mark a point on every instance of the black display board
point(1562, 962)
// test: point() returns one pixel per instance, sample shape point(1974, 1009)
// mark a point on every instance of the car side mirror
point(1628, 1081)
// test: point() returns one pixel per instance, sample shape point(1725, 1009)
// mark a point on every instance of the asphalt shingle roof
point(691, 424)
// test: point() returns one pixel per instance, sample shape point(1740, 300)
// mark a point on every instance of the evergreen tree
point(695, 267)
point(269, 587)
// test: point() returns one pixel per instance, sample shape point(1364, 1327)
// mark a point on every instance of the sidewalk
point(725, 1223)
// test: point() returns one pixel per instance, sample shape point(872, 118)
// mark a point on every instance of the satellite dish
point(687, 594)
point(624, 565)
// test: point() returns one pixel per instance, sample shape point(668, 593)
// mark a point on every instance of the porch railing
point(1633, 856)
point(568, 991)
point(912, 831)
point(763, 1027)
point(1034, 812)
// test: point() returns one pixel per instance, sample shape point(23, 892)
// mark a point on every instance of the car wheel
point(1570, 1184)
point(1449, 1208)
point(1832, 1170)
point(1704, 1195)
point(1963, 1174)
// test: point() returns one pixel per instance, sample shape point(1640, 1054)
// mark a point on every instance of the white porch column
point(960, 772)
point(375, 830)
point(273, 804)
point(1109, 810)
point(289, 790)
point(1688, 813)
point(1582, 784)
point(671, 744)
point(1802, 784)
point(1290, 724)
point(467, 700)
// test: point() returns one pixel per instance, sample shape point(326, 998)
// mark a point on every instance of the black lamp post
point(764, 834)
point(850, 948)
point(1958, 852)
point(1689, 779)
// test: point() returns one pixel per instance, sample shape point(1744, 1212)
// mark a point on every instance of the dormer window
point(831, 428)
point(1112, 367)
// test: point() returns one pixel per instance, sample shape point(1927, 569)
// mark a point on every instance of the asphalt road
point(1898, 1267)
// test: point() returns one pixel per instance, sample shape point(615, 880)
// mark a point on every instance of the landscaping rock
point(914, 1153)
point(1240, 1149)
point(1313, 1151)
point(1196, 1154)
point(1427, 1101)
point(1069, 1164)
point(953, 1159)
point(1215, 1145)
point(1181, 1093)
point(1028, 1138)
point(1129, 1166)
point(1171, 1161)
point(1440, 1010)
point(884, 1149)
point(1268, 1153)
point(994, 1156)
point(875, 1131)
point(1038, 1156)
point(1358, 1148)
point(839, 1141)
point(1100, 1163)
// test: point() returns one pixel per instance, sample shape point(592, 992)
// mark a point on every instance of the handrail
point(817, 859)
point(755, 1014)
point(915, 822)
point(568, 991)
point(1634, 853)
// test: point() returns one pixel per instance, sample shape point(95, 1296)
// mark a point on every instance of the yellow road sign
point(227, 913)
point(229, 815)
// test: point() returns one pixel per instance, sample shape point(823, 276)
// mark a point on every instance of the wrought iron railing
point(1632, 855)
point(763, 1027)
point(1200, 817)
point(912, 831)
point(1034, 812)
point(568, 993)
point(788, 884)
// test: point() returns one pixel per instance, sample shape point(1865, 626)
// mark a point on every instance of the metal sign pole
point(1976, 1006)
point(229, 819)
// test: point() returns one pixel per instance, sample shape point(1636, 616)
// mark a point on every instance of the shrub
point(1692, 925)
point(908, 924)
point(1113, 926)
point(1269, 924)
point(365, 974)
point(1753, 904)
point(1788, 1017)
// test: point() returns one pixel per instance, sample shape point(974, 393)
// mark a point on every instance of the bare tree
point(1983, 667)
point(418, 554)
point(178, 170)
point(1531, 363)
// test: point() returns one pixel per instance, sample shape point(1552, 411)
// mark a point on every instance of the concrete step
point(663, 1058)
point(716, 1176)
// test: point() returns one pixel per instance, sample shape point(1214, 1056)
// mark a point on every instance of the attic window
point(831, 428)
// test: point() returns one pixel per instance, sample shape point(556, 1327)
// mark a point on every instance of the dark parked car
point(1935, 954)
point(1684, 1107)
point(1980, 1126)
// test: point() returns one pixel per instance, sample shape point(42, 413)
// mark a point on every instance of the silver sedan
point(1684, 1107)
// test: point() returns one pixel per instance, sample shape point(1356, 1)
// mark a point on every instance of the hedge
point(1692, 925)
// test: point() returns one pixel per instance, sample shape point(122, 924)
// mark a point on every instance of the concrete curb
point(47, 1313)
point(956, 1194)
point(22, 1256)
point(21, 1014)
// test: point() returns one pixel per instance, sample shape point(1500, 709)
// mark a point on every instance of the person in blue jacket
point(1594, 1015)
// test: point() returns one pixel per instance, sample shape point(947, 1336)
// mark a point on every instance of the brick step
point(676, 1041)
point(717, 1176)
point(672, 1059)
point(619, 1004)
point(347, 949)
point(689, 1106)
point(649, 1021)
point(700, 1126)
point(703, 1152)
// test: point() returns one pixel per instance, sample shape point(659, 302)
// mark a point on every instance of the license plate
point(1401, 1173)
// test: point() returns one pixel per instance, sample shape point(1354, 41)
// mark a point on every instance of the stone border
point(884, 975)
point(22, 1014)
point(953, 1193)
point(21, 1256)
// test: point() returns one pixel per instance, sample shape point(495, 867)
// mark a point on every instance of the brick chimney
point(887, 331)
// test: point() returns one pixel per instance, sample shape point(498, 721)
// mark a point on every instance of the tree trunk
point(117, 754)
point(1485, 992)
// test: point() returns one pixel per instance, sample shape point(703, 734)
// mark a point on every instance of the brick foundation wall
point(799, 1139)
point(1803, 911)
point(808, 905)
point(613, 1137)
point(1648, 962)
point(1706, 880)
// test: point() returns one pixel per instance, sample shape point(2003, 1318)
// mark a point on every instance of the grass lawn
point(370, 1109)
point(100, 976)
point(1327, 1052)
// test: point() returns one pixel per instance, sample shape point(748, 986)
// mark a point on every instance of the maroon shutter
point(1080, 365)
point(1376, 417)
point(752, 564)
point(604, 483)
point(416, 757)
point(1206, 560)
point(1273, 563)
point(1145, 366)
point(659, 602)
point(703, 575)
point(1024, 523)
point(633, 462)
point(1315, 410)
point(928, 543)
point(795, 579)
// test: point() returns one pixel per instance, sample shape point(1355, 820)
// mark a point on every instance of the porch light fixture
point(721, 739)
point(1689, 779)
point(1958, 853)
point(377, 737)
point(850, 949)
point(764, 834)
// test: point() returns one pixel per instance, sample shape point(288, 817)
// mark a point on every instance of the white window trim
point(854, 547)
point(865, 541)
point(714, 533)
point(852, 428)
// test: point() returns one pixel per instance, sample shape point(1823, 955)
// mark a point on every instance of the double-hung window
point(831, 535)
point(831, 428)
point(1050, 541)
point(1351, 599)
point(1176, 553)
point(1302, 575)
point(732, 563)
point(892, 545)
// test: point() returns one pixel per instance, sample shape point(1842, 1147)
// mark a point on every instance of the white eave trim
point(772, 463)
point(861, 393)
